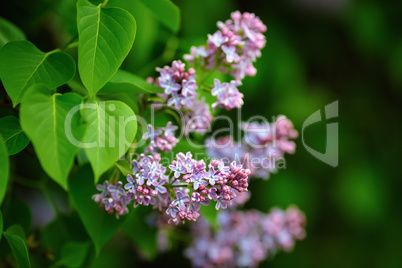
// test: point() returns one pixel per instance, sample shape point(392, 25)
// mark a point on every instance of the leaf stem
point(104, 3)
point(71, 42)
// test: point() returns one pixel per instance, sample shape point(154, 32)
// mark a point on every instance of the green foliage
point(1, 224)
point(4, 169)
point(64, 229)
point(210, 213)
point(139, 231)
point(17, 212)
point(9, 32)
point(125, 86)
point(126, 82)
point(124, 167)
point(14, 138)
point(111, 130)
point(167, 12)
point(23, 65)
point(73, 254)
point(100, 225)
point(16, 239)
point(106, 36)
point(54, 136)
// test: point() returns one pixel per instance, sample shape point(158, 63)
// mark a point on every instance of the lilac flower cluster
point(234, 47)
point(146, 187)
point(180, 92)
point(227, 95)
point(161, 139)
point(245, 238)
point(181, 193)
point(179, 85)
point(219, 183)
point(112, 198)
point(261, 150)
point(198, 119)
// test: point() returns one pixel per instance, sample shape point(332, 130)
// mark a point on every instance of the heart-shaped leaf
point(100, 225)
point(106, 36)
point(52, 122)
point(126, 82)
point(16, 240)
point(112, 126)
point(9, 32)
point(14, 138)
point(165, 11)
point(23, 65)
point(4, 169)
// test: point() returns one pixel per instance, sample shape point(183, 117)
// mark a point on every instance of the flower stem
point(181, 185)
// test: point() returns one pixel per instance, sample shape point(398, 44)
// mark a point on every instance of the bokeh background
point(318, 51)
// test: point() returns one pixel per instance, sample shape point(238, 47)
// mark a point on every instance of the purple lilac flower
point(219, 184)
point(179, 85)
point(227, 95)
point(211, 177)
point(161, 139)
point(113, 198)
point(245, 238)
point(115, 190)
point(187, 180)
point(264, 142)
point(197, 116)
point(181, 200)
point(234, 47)
point(198, 179)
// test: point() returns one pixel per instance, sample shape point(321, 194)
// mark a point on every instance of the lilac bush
point(244, 239)
point(179, 189)
point(262, 141)
point(89, 128)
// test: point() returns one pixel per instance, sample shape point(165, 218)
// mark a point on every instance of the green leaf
point(210, 213)
point(106, 36)
point(52, 124)
point(23, 65)
point(124, 167)
point(17, 212)
point(100, 225)
point(1, 224)
point(4, 169)
point(112, 127)
point(126, 82)
point(14, 138)
point(75, 83)
point(140, 232)
point(124, 86)
point(167, 12)
point(129, 99)
point(9, 32)
point(17, 230)
point(73, 254)
point(18, 246)
point(196, 149)
point(62, 229)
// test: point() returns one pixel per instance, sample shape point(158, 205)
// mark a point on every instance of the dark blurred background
point(318, 51)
